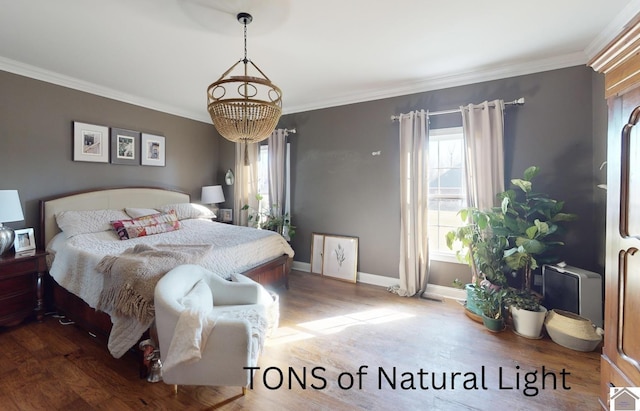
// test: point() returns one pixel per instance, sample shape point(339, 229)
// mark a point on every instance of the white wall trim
point(444, 292)
point(476, 75)
point(52, 77)
point(383, 281)
point(613, 29)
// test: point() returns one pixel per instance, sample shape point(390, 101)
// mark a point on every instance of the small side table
point(21, 289)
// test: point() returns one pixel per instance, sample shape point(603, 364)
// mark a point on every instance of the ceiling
point(163, 54)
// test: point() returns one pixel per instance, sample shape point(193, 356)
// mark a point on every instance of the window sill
point(444, 257)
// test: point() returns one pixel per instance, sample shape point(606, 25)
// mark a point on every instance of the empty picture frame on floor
point(317, 245)
point(335, 256)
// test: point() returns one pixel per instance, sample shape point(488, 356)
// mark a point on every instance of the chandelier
point(244, 108)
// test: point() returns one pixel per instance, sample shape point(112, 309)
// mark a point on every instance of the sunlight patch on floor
point(285, 335)
point(332, 325)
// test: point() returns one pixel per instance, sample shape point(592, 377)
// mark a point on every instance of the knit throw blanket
point(131, 277)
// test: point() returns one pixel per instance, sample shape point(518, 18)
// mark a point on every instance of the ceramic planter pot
point(528, 323)
point(492, 324)
point(471, 299)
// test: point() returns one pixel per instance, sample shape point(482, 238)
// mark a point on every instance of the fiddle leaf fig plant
point(532, 223)
point(520, 235)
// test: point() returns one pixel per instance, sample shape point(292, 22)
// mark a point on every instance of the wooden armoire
point(620, 63)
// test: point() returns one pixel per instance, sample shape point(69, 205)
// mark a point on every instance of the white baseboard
point(382, 281)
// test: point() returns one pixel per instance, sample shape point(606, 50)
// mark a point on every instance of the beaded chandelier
point(244, 108)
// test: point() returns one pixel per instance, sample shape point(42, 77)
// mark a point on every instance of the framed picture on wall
point(125, 147)
point(153, 150)
point(90, 143)
point(340, 257)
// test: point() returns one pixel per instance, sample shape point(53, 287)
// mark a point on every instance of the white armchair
point(229, 317)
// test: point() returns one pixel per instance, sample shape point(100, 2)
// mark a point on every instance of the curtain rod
point(290, 130)
point(517, 102)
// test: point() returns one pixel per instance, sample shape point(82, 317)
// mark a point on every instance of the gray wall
point(36, 144)
point(338, 187)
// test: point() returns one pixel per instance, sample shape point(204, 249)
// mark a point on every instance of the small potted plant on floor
point(490, 300)
point(476, 245)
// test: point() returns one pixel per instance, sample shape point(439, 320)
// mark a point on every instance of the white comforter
point(235, 249)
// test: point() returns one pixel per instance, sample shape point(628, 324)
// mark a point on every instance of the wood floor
point(358, 346)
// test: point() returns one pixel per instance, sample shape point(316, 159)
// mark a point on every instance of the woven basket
point(572, 331)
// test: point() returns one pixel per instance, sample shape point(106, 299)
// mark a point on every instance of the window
point(263, 180)
point(447, 190)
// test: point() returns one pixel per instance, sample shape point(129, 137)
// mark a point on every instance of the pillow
point(199, 298)
point(140, 212)
point(188, 210)
point(146, 225)
point(73, 223)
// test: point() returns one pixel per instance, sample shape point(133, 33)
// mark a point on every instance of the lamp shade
point(10, 207)
point(212, 195)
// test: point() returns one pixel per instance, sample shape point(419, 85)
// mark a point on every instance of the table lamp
point(212, 195)
point(10, 210)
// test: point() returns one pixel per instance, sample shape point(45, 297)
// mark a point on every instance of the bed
point(89, 261)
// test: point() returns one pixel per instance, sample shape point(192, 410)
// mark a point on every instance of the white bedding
point(72, 262)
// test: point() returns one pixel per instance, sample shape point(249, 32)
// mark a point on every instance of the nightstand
point(21, 293)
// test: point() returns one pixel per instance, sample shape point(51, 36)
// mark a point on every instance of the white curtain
point(276, 154)
point(246, 181)
point(483, 128)
point(414, 184)
point(279, 189)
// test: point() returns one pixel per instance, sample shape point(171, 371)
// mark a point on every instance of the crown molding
point(52, 77)
point(453, 80)
point(613, 29)
point(435, 83)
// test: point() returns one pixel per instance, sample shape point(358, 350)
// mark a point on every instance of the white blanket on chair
point(189, 338)
point(194, 327)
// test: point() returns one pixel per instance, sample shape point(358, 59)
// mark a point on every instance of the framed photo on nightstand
point(225, 215)
point(25, 241)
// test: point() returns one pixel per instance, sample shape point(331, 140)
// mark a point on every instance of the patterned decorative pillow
point(73, 223)
point(188, 210)
point(146, 225)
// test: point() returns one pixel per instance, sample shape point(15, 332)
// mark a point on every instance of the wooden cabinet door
point(621, 353)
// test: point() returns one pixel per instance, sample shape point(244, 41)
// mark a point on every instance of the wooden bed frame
point(271, 274)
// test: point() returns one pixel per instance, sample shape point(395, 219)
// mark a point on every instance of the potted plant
point(476, 245)
point(490, 300)
point(266, 219)
point(531, 223)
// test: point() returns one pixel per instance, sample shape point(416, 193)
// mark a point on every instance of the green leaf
point(532, 231)
point(530, 246)
point(522, 184)
point(451, 236)
point(464, 213)
point(505, 204)
point(543, 228)
point(564, 217)
point(531, 172)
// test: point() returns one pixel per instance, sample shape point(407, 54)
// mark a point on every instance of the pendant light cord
point(245, 43)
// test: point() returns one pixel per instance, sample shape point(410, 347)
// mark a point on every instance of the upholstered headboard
point(112, 198)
